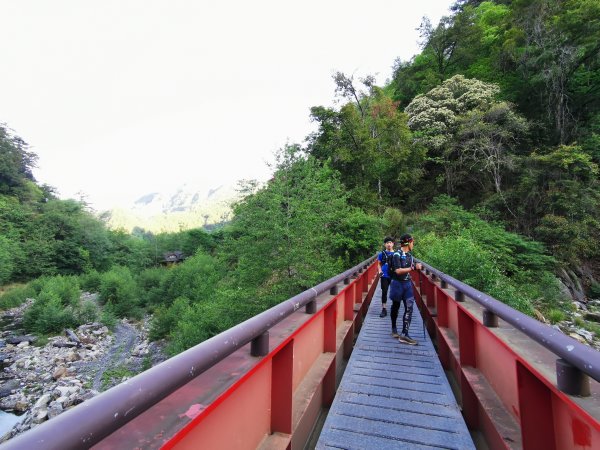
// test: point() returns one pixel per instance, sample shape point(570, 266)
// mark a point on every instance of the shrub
point(204, 320)
point(48, 314)
point(88, 312)
point(150, 286)
point(38, 284)
point(200, 322)
point(7, 264)
point(108, 316)
point(90, 281)
point(119, 288)
point(194, 279)
point(166, 317)
point(65, 287)
point(16, 296)
point(459, 257)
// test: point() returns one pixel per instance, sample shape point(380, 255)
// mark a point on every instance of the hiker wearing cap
point(384, 280)
point(402, 264)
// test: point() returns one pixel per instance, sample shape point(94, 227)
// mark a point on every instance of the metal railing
point(579, 355)
point(93, 420)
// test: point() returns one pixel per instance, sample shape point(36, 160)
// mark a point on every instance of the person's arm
point(400, 271)
point(380, 264)
point(397, 264)
point(414, 265)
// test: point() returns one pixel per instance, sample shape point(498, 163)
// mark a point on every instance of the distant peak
point(146, 199)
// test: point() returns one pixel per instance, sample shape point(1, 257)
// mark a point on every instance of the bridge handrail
point(579, 355)
point(93, 420)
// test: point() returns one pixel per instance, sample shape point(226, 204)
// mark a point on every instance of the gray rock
point(43, 401)
point(59, 373)
point(55, 409)
point(61, 391)
point(14, 340)
point(40, 415)
point(594, 317)
point(8, 387)
point(21, 405)
point(586, 334)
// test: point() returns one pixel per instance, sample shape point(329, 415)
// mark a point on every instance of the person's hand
point(419, 266)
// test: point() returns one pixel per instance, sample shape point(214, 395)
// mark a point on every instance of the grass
point(593, 327)
point(555, 316)
point(8, 287)
point(146, 363)
point(116, 373)
point(41, 341)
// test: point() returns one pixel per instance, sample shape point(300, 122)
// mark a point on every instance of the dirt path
point(126, 338)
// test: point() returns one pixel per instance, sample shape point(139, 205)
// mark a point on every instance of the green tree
point(283, 233)
point(368, 142)
point(469, 135)
point(16, 164)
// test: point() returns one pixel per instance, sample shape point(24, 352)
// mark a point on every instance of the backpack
point(390, 263)
point(392, 268)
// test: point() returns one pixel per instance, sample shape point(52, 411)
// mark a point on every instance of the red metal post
point(330, 330)
point(441, 301)
point(282, 390)
point(349, 303)
point(467, 343)
point(535, 405)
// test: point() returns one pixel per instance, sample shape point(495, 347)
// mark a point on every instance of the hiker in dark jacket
point(401, 288)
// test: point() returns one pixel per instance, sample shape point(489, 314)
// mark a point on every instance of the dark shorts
point(401, 291)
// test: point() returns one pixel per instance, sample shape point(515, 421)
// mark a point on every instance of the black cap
point(405, 239)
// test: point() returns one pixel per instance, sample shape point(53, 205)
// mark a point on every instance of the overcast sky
point(124, 97)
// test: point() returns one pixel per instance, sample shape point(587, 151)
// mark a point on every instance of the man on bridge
point(401, 287)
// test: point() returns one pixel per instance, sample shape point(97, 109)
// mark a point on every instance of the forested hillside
point(500, 110)
point(485, 147)
point(285, 237)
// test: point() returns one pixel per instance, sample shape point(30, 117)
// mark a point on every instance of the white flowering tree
point(470, 134)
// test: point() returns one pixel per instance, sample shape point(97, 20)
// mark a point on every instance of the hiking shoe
point(406, 339)
point(395, 334)
point(383, 313)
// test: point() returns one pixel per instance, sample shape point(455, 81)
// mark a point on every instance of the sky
point(120, 98)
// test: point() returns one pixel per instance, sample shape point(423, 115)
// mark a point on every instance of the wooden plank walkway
point(393, 395)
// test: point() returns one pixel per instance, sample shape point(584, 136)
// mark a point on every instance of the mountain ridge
point(181, 208)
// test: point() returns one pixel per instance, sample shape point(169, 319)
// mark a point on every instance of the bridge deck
point(393, 395)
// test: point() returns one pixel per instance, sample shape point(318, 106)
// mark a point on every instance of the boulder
point(59, 372)
point(588, 336)
point(577, 337)
point(14, 340)
point(592, 316)
point(40, 415)
point(21, 406)
point(8, 387)
point(42, 401)
point(61, 391)
point(55, 409)
point(72, 356)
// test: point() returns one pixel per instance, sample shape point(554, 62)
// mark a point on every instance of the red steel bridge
point(320, 370)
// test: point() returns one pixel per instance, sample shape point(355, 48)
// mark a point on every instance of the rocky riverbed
point(582, 323)
point(39, 382)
